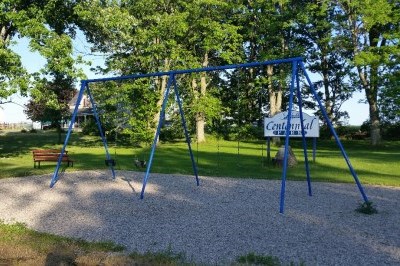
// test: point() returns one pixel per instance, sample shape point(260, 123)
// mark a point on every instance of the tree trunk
point(328, 99)
point(162, 88)
point(372, 92)
point(370, 86)
point(275, 100)
point(275, 95)
point(5, 31)
point(200, 118)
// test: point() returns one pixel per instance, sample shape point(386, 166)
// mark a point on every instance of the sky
point(13, 113)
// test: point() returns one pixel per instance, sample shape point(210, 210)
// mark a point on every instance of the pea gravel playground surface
point(214, 223)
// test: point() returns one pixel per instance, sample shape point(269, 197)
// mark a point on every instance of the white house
point(84, 109)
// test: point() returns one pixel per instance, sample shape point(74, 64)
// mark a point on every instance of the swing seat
point(110, 162)
point(277, 162)
point(140, 163)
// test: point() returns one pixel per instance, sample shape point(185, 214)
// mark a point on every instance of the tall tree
point(13, 77)
point(325, 57)
point(213, 39)
point(149, 36)
point(50, 101)
point(370, 31)
point(49, 26)
point(138, 37)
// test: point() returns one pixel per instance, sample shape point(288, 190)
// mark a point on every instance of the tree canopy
point(351, 45)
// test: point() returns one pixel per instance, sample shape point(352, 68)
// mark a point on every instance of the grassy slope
point(22, 246)
point(374, 165)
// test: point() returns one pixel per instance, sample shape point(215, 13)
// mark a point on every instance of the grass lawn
point(374, 165)
point(22, 246)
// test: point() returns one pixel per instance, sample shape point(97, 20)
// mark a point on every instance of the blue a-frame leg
point(329, 123)
point(303, 133)
point(171, 80)
point(84, 87)
point(285, 158)
point(109, 161)
point(296, 66)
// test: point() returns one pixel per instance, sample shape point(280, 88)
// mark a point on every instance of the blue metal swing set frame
point(297, 67)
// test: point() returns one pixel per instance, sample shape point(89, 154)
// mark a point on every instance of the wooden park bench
point(50, 155)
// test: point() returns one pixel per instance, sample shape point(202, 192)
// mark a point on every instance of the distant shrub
point(254, 259)
point(343, 132)
point(90, 128)
point(24, 130)
point(346, 131)
point(172, 131)
point(391, 131)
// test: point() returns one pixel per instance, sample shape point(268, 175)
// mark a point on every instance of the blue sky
point(13, 113)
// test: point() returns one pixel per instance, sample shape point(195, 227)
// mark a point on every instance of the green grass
point(373, 165)
point(22, 246)
point(255, 259)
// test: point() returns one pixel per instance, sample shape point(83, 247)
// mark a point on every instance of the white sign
point(276, 126)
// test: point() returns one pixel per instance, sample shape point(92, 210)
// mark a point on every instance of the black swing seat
point(140, 163)
point(110, 162)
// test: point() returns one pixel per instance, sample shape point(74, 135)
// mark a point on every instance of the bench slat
point(50, 155)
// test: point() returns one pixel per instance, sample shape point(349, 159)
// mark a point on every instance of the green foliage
point(127, 109)
point(89, 127)
point(391, 131)
point(254, 259)
point(172, 131)
point(42, 241)
point(389, 96)
point(367, 208)
point(49, 26)
point(159, 258)
point(345, 131)
point(147, 36)
point(13, 76)
point(370, 31)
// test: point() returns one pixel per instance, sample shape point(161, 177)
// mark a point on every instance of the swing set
point(297, 68)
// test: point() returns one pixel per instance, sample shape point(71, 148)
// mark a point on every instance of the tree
point(137, 37)
point(49, 26)
point(270, 33)
point(152, 36)
point(13, 77)
point(369, 30)
point(325, 57)
point(389, 98)
point(212, 39)
point(50, 101)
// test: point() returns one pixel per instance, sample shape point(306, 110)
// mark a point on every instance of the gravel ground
point(214, 223)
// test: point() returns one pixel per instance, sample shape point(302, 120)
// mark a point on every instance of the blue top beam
point(197, 70)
